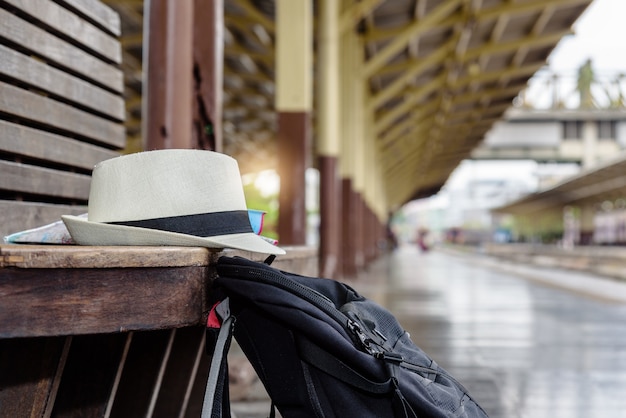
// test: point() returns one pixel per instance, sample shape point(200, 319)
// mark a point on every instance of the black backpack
point(322, 350)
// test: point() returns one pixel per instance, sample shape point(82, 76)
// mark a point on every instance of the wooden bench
point(108, 331)
point(61, 106)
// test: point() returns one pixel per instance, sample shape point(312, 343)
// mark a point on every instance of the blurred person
point(422, 240)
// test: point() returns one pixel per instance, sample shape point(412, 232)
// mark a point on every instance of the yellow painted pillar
point(372, 190)
point(363, 169)
point(328, 137)
point(294, 101)
point(351, 232)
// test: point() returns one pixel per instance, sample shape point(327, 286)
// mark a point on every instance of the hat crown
point(164, 183)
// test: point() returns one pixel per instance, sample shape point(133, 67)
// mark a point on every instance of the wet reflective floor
point(523, 350)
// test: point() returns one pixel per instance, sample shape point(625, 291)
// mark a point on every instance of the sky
point(598, 34)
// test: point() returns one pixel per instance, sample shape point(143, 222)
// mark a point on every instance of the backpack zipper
point(379, 350)
point(367, 343)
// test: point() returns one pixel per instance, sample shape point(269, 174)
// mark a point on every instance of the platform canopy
point(605, 182)
point(437, 75)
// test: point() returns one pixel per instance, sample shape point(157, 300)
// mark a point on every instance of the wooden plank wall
point(61, 106)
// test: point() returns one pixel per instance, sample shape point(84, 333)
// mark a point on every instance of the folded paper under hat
point(168, 197)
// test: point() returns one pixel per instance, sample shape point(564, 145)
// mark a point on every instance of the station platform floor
point(526, 342)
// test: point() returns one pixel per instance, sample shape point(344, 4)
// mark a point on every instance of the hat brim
point(85, 232)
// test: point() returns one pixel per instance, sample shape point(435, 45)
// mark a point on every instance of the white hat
point(168, 197)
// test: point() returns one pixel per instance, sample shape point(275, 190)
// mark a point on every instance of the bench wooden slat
point(34, 143)
point(29, 369)
point(68, 23)
point(98, 12)
point(43, 181)
point(31, 106)
point(141, 375)
point(18, 216)
point(88, 375)
point(88, 301)
point(182, 368)
point(56, 50)
point(102, 257)
point(36, 73)
point(196, 394)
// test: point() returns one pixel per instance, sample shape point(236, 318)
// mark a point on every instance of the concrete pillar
point(183, 88)
point(373, 198)
point(208, 74)
point(359, 143)
point(350, 228)
point(328, 141)
point(590, 144)
point(294, 45)
point(351, 208)
point(168, 95)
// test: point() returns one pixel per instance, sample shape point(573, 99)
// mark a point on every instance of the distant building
point(584, 136)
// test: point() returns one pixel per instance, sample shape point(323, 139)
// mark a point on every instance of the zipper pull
point(365, 341)
point(391, 357)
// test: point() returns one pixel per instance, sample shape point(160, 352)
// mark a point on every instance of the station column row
point(183, 109)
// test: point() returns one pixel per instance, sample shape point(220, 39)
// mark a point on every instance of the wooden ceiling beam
point(405, 187)
point(418, 67)
point(492, 48)
point(409, 159)
point(495, 75)
point(532, 40)
point(133, 40)
point(401, 41)
point(134, 103)
point(537, 30)
point(252, 31)
point(412, 98)
point(493, 93)
point(258, 77)
point(240, 21)
point(129, 60)
point(235, 51)
point(122, 2)
point(357, 11)
point(418, 117)
point(256, 15)
point(411, 145)
point(461, 36)
point(524, 8)
point(131, 12)
point(478, 110)
point(383, 35)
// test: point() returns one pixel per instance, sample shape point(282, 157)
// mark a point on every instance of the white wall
point(525, 134)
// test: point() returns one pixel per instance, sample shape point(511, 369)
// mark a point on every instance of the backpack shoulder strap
point(216, 397)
